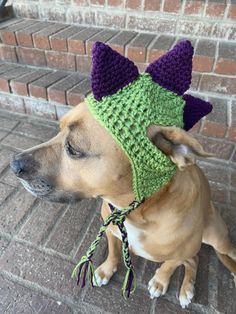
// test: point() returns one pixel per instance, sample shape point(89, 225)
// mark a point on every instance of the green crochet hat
point(127, 115)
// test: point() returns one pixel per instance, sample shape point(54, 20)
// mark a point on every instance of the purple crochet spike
point(110, 71)
point(173, 70)
point(194, 110)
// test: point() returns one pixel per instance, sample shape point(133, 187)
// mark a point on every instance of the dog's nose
point(18, 166)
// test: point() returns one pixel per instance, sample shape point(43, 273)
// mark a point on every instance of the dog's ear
point(179, 145)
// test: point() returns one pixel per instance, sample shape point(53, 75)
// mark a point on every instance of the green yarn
point(127, 115)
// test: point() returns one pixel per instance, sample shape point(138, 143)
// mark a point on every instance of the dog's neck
point(122, 201)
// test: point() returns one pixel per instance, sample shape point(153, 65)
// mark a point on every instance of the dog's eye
point(74, 153)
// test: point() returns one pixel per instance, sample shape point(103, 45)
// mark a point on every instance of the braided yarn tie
point(84, 269)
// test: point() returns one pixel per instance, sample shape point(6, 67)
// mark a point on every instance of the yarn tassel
point(84, 269)
point(129, 282)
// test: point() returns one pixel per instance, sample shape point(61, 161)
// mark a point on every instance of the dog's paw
point(157, 287)
point(103, 274)
point(99, 281)
point(186, 295)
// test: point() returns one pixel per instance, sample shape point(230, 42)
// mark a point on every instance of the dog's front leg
point(105, 271)
point(159, 283)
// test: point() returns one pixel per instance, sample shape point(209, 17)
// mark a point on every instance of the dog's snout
point(18, 166)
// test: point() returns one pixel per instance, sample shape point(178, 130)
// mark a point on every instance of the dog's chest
point(134, 240)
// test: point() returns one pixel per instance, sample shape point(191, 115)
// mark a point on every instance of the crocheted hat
point(126, 103)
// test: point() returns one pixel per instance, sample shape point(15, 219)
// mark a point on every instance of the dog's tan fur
point(168, 227)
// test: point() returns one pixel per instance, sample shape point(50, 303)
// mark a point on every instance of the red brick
point(81, 2)
point(227, 50)
point(24, 37)
point(218, 193)
point(204, 29)
point(225, 66)
point(8, 33)
point(57, 91)
point(112, 20)
point(152, 5)
point(58, 41)
point(233, 178)
point(218, 84)
point(219, 147)
point(232, 33)
point(53, 13)
point(39, 108)
point(40, 223)
point(219, 30)
point(219, 112)
point(152, 24)
point(60, 60)
point(232, 134)
point(160, 46)
point(133, 4)
point(58, 270)
point(232, 12)
point(119, 42)
point(77, 43)
point(194, 7)
point(14, 296)
point(12, 103)
point(19, 85)
point(215, 9)
point(206, 47)
point(26, 11)
point(195, 80)
point(83, 64)
point(5, 67)
point(115, 3)
point(137, 49)
point(31, 56)
point(38, 88)
point(103, 36)
point(71, 227)
point(7, 76)
point(97, 2)
point(10, 213)
point(77, 94)
point(41, 39)
point(202, 63)
point(214, 129)
point(8, 53)
point(172, 6)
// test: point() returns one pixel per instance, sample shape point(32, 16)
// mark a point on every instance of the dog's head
point(84, 160)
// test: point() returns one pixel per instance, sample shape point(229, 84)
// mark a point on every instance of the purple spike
point(194, 110)
point(110, 71)
point(173, 70)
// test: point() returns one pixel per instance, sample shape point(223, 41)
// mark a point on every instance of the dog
point(84, 161)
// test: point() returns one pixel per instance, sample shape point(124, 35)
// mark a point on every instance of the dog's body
point(83, 160)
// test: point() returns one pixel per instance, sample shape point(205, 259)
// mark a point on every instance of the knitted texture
point(194, 109)
point(127, 115)
point(173, 70)
point(110, 71)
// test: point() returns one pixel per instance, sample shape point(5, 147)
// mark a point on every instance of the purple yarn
point(194, 110)
point(173, 70)
point(110, 71)
point(129, 283)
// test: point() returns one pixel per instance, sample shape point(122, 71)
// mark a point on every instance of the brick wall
point(198, 18)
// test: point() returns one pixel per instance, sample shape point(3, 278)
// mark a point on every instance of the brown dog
point(84, 161)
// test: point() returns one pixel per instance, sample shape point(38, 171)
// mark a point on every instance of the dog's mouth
point(41, 188)
point(38, 187)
